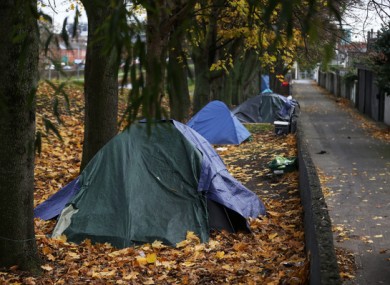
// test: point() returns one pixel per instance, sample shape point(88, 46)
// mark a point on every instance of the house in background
point(61, 59)
point(358, 86)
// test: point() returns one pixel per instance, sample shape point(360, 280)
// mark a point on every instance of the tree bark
point(247, 77)
point(177, 70)
point(101, 83)
point(242, 81)
point(157, 35)
point(202, 82)
point(204, 55)
point(19, 78)
point(177, 83)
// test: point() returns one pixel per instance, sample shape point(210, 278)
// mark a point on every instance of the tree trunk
point(157, 31)
point(242, 81)
point(101, 84)
point(165, 27)
point(249, 77)
point(227, 88)
point(19, 78)
point(179, 96)
point(177, 71)
point(204, 55)
point(202, 82)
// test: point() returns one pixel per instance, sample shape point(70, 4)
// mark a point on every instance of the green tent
point(155, 183)
point(139, 188)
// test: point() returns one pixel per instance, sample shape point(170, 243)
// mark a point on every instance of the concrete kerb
point(317, 223)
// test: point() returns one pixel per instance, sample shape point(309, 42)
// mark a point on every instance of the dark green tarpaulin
point(266, 108)
point(138, 189)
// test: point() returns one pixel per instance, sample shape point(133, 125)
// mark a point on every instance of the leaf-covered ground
point(272, 254)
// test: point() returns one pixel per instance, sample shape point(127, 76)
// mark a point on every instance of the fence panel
point(363, 92)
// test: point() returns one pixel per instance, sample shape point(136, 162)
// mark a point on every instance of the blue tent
point(218, 125)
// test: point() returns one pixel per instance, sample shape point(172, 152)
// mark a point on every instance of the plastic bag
point(282, 164)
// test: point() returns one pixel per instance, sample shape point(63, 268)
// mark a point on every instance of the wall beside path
point(317, 223)
point(363, 92)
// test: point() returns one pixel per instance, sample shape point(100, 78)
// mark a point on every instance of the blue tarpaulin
point(216, 180)
point(53, 206)
point(264, 82)
point(218, 125)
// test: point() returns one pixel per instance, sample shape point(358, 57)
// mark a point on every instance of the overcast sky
point(58, 10)
point(363, 18)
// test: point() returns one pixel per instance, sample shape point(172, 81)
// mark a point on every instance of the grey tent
point(267, 108)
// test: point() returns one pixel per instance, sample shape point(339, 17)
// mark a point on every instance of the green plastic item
point(282, 164)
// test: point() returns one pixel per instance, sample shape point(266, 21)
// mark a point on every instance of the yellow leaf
point(46, 250)
point(61, 238)
point(192, 236)
point(149, 281)
point(275, 214)
point(47, 267)
point(29, 281)
point(199, 247)
point(151, 258)
point(146, 247)
point(239, 246)
point(346, 275)
point(377, 218)
point(183, 243)
point(213, 244)
point(227, 267)
point(158, 244)
point(185, 280)
point(272, 236)
point(104, 274)
point(132, 275)
point(141, 260)
point(168, 264)
point(73, 255)
point(337, 229)
point(116, 253)
point(51, 257)
point(220, 254)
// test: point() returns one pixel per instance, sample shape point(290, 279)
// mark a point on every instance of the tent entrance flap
point(222, 218)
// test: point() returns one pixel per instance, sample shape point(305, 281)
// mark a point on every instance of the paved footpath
point(357, 171)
